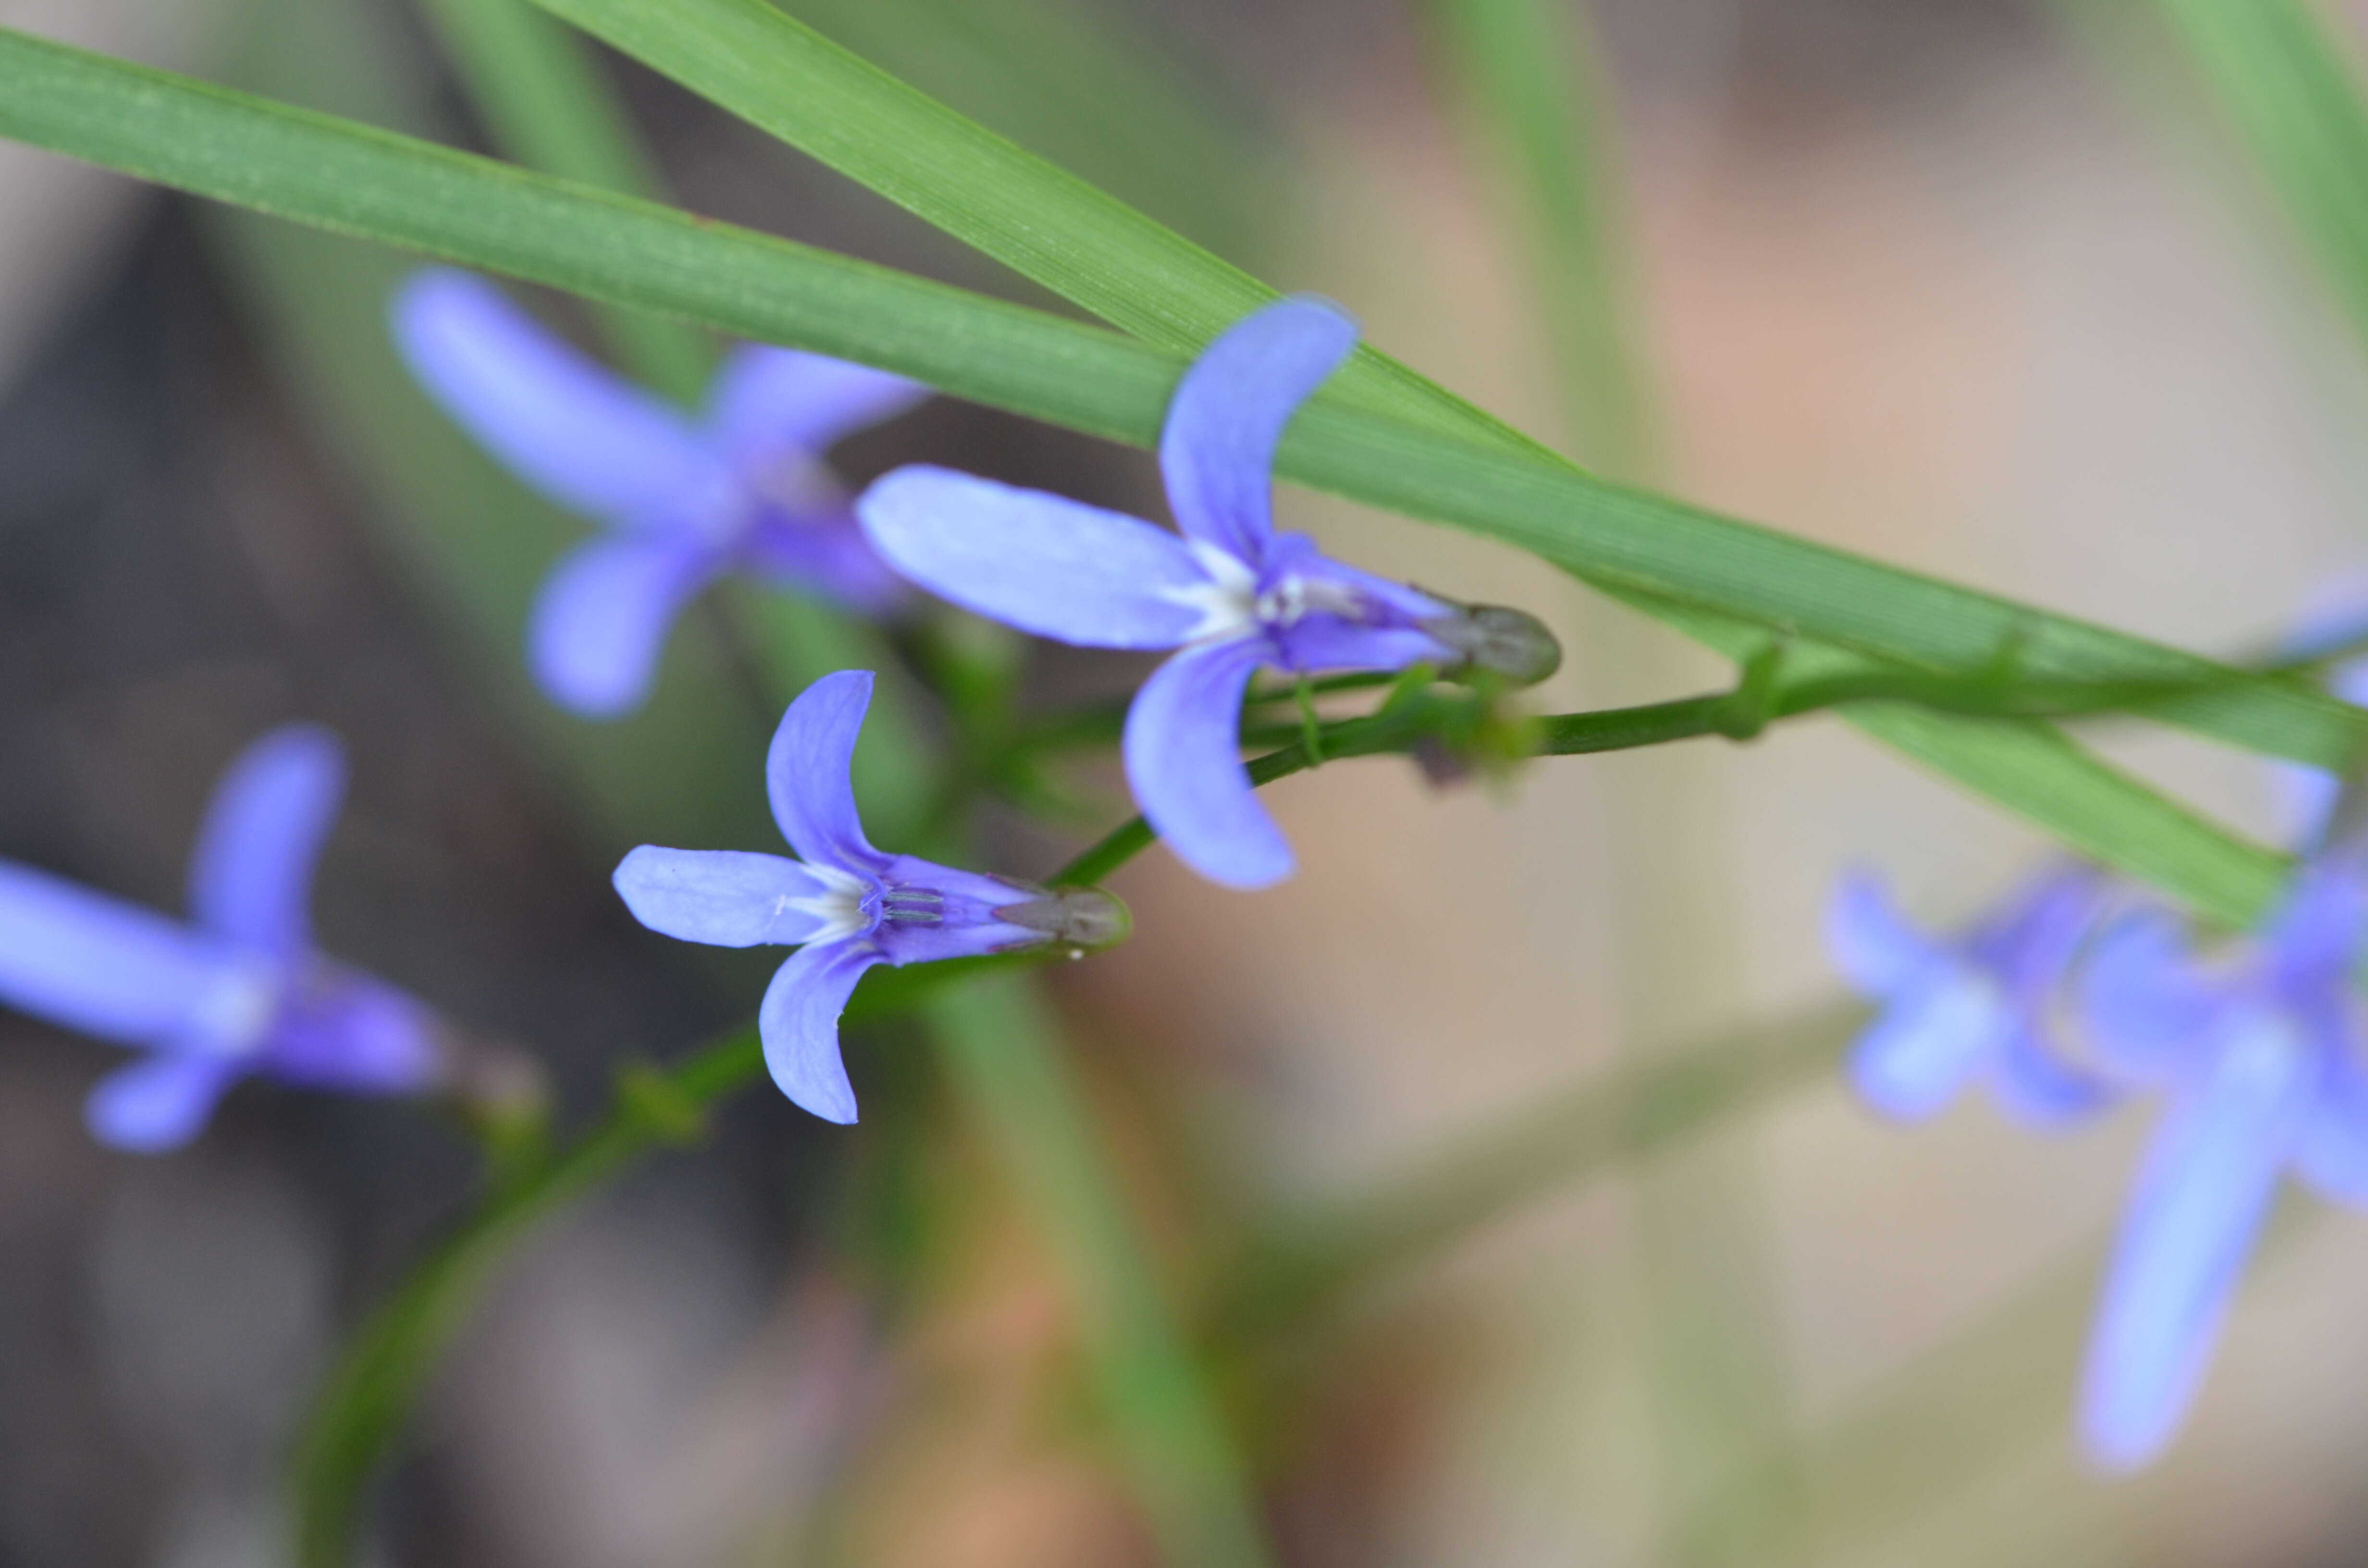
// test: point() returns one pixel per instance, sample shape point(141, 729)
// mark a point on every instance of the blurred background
point(1978, 286)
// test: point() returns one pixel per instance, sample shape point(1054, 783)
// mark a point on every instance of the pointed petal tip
point(155, 1104)
point(808, 771)
point(798, 1022)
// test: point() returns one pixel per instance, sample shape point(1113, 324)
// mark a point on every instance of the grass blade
point(1712, 570)
point(1524, 68)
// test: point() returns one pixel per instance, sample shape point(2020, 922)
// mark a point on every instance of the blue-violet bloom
point(2259, 1052)
point(1977, 1006)
point(846, 905)
point(2338, 617)
point(239, 990)
point(683, 501)
point(1232, 593)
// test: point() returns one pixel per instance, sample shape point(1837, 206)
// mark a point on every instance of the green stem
point(365, 1404)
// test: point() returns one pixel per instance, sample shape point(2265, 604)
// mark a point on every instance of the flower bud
point(1498, 638)
point(1080, 919)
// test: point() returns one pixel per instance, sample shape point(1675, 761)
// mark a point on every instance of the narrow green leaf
point(542, 100)
point(1116, 96)
point(473, 546)
point(1001, 1050)
point(381, 186)
point(1525, 68)
point(2280, 78)
point(1040, 221)
point(1056, 230)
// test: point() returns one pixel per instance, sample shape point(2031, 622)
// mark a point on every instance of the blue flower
point(846, 905)
point(1977, 1006)
point(2338, 618)
point(2259, 1052)
point(683, 502)
point(241, 990)
point(1232, 593)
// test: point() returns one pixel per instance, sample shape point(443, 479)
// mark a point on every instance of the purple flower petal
point(799, 1024)
point(1911, 1059)
point(1183, 762)
point(1216, 450)
point(766, 402)
point(583, 436)
point(251, 878)
point(824, 553)
point(963, 905)
point(157, 1104)
point(2036, 1086)
point(1046, 564)
point(1877, 951)
point(807, 773)
point(726, 898)
point(600, 622)
point(107, 968)
point(2331, 1153)
point(341, 1028)
point(1328, 642)
point(2191, 1224)
point(1383, 601)
point(2144, 1004)
point(2316, 931)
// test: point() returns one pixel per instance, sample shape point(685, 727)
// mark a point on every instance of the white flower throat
point(846, 905)
point(1231, 605)
point(850, 904)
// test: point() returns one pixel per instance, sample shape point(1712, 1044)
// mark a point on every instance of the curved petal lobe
point(799, 1024)
point(1216, 450)
point(1046, 564)
point(1871, 943)
point(157, 1104)
point(1183, 761)
point(583, 436)
point(726, 898)
point(2035, 1085)
point(99, 965)
point(2191, 1224)
point(341, 1028)
point(1917, 1055)
point(766, 401)
point(252, 876)
point(601, 623)
point(808, 778)
point(2331, 1151)
point(2143, 1001)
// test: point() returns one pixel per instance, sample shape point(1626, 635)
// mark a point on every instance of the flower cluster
point(1229, 594)
point(2074, 997)
point(742, 488)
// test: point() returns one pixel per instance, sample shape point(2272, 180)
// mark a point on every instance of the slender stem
point(364, 1404)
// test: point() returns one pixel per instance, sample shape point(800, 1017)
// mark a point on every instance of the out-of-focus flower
point(2257, 1050)
point(241, 990)
point(684, 500)
point(846, 905)
point(2337, 619)
point(1232, 593)
point(1976, 1005)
